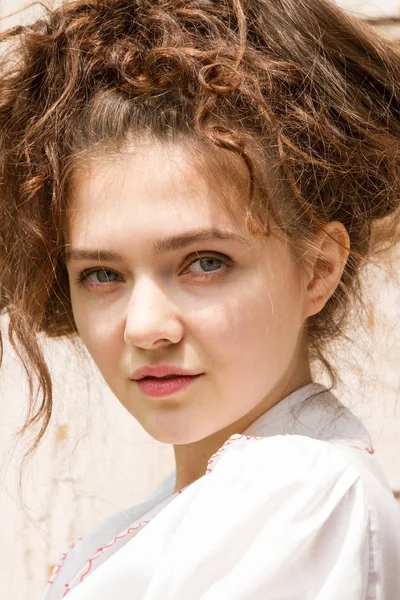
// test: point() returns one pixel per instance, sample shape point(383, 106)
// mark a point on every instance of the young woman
point(192, 188)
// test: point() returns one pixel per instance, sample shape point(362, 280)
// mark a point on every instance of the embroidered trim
point(234, 438)
point(114, 541)
point(57, 566)
point(369, 450)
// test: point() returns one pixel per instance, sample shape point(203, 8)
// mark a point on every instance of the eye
point(208, 266)
point(97, 277)
point(201, 267)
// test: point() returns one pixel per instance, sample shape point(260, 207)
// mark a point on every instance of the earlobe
point(332, 246)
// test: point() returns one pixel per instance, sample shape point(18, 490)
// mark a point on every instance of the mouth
point(172, 376)
point(167, 385)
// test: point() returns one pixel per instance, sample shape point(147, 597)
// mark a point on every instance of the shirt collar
point(314, 411)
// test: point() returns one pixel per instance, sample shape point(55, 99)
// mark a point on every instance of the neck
point(192, 459)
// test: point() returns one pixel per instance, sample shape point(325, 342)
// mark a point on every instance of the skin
point(237, 318)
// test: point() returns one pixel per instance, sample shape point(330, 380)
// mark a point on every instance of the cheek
point(100, 334)
point(259, 325)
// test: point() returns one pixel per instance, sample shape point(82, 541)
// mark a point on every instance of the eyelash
point(227, 264)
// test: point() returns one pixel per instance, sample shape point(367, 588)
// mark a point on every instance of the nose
point(152, 319)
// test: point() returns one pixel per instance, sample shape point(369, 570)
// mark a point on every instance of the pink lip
point(165, 387)
point(161, 371)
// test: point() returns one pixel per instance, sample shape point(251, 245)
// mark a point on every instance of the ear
point(329, 260)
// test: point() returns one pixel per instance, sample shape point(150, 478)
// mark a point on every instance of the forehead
point(151, 188)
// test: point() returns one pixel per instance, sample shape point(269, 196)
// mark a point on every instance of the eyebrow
point(160, 247)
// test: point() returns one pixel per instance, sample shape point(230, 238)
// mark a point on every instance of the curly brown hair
point(294, 85)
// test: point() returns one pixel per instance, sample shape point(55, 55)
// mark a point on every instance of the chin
point(174, 438)
point(175, 433)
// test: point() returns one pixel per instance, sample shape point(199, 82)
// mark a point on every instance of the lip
point(162, 371)
point(158, 388)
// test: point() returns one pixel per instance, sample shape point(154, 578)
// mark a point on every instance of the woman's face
point(171, 279)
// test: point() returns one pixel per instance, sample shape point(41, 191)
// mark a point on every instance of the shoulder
point(283, 480)
point(281, 458)
point(300, 474)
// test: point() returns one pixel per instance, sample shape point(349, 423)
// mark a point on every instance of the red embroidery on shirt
point(369, 450)
point(216, 455)
point(114, 541)
point(57, 567)
point(234, 438)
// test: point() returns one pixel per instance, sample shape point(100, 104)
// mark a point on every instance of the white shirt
point(294, 508)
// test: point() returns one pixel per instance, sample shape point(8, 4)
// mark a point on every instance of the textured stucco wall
point(96, 460)
point(372, 8)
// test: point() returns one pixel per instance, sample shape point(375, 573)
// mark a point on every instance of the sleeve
point(283, 519)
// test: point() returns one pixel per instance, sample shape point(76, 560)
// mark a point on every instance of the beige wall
point(96, 460)
point(372, 8)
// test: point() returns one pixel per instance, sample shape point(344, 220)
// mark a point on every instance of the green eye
point(208, 266)
point(97, 277)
